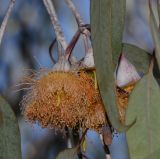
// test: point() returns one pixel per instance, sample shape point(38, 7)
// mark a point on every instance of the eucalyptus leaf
point(156, 35)
point(114, 13)
point(102, 40)
point(144, 105)
point(10, 147)
point(68, 154)
point(158, 8)
point(117, 12)
point(1, 117)
point(138, 57)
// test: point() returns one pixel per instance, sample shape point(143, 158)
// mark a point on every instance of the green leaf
point(118, 12)
point(114, 24)
point(144, 105)
point(10, 147)
point(102, 40)
point(1, 118)
point(156, 36)
point(138, 57)
point(158, 8)
point(68, 154)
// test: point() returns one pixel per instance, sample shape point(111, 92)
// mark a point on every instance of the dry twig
point(5, 20)
point(75, 12)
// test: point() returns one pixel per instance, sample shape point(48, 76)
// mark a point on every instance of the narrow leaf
point(144, 105)
point(156, 36)
point(158, 8)
point(101, 27)
point(114, 13)
point(9, 133)
point(1, 118)
point(68, 154)
point(138, 57)
point(117, 12)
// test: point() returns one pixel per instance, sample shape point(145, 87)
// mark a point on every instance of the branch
point(5, 20)
point(75, 12)
point(58, 31)
point(86, 32)
point(77, 16)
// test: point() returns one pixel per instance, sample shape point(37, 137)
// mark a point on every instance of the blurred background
point(25, 45)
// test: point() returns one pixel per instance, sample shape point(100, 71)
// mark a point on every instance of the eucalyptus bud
point(126, 73)
point(88, 60)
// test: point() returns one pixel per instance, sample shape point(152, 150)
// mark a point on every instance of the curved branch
point(75, 12)
point(50, 51)
point(77, 16)
point(5, 20)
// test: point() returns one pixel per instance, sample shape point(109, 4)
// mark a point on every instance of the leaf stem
point(151, 64)
point(75, 12)
point(77, 16)
point(58, 31)
point(85, 32)
point(5, 20)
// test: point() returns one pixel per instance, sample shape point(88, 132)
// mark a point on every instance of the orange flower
point(60, 99)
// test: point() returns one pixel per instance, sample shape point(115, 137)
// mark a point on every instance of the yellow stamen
point(84, 145)
point(58, 99)
point(95, 80)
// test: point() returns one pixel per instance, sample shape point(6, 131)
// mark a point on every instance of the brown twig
point(5, 20)
point(58, 31)
point(50, 50)
point(82, 139)
point(74, 41)
point(79, 152)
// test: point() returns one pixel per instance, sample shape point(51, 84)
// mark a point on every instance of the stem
point(58, 31)
point(50, 51)
point(72, 44)
point(77, 16)
point(75, 12)
point(151, 65)
point(150, 6)
point(82, 139)
point(5, 20)
point(86, 32)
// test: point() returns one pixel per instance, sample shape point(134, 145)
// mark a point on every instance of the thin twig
point(86, 33)
point(72, 44)
point(77, 16)
point(5, 20)
point(50, 51)
point(75, 12)
point(58, 31)
point(82, 139)
point(79, 152)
